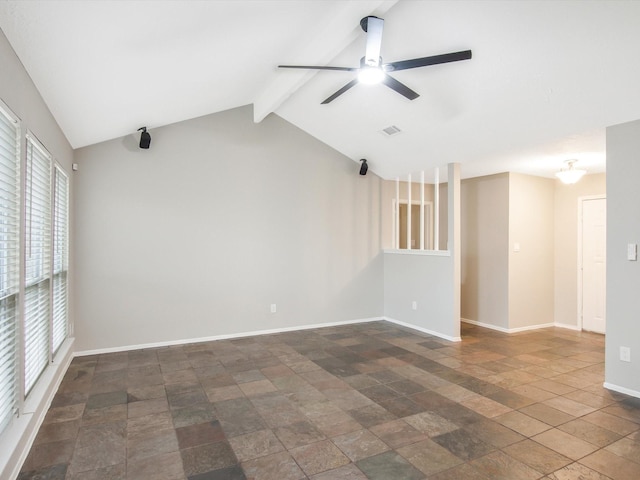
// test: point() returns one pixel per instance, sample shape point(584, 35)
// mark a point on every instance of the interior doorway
point(592, 249)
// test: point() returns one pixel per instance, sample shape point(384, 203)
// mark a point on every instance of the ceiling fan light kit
point(373, 71)
point(370, 75)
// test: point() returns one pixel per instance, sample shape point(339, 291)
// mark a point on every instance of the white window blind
point(9, 262)
point(60, 257)
point(34, 251)
point(37, 189)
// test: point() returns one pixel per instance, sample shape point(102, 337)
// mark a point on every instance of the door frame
point(582, 199)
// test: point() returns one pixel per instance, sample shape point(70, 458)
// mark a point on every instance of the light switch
point(516, 247)
point(632, 252)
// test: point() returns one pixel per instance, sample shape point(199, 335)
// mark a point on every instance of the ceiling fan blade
point(317, 67)
point(426, 61)
point(401, 88)
point(373, 28)
point(340, 92)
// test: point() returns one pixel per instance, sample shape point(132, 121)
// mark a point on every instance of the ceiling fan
point(372, 70)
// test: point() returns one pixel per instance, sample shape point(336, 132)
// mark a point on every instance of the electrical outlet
point(625, 354)
point(414, 305)
point(273, 308)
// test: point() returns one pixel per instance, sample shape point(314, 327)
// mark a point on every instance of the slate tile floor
point(368, 401)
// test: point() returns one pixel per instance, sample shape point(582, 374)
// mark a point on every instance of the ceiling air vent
point(391, 131)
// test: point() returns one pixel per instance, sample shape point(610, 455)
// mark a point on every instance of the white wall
point(566, 244)
point(19, 93)
point(623, 276)
point(220, 218)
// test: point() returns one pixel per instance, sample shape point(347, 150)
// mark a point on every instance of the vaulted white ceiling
point(545, 80)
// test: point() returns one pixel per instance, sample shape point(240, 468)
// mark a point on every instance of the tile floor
point(368, 401)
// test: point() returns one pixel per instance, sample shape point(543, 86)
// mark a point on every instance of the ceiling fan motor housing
point(364, 23)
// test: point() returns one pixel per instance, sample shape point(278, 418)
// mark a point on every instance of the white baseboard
point(486, 325)
point(531, 327)
point(568, 327)
point(423, 330)
point(16, 441)
point(519, 329)
point(619, 389)
point(229, 336)
point(185, 341)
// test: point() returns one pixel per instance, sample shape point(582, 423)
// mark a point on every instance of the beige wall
point(500, 287)
point(485, 262)
point(566, 241)
point(531, 225)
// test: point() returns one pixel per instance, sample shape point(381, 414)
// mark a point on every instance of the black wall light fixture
point(364, 167)
point(145, 138)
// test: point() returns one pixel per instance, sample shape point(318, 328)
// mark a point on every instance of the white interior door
point(594, 264)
